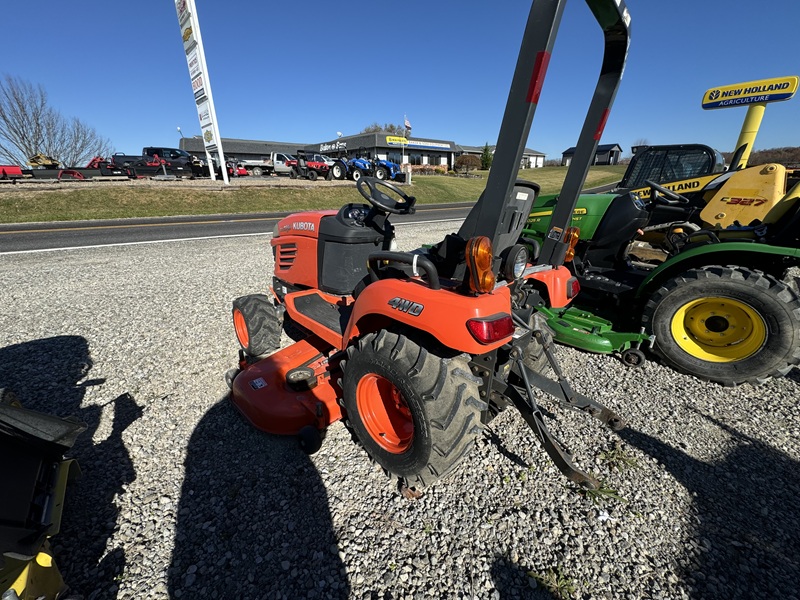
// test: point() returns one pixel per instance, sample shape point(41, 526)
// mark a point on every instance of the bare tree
point(28, 126)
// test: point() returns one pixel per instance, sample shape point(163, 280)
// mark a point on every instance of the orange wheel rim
point(240, 325)
point(385, 414)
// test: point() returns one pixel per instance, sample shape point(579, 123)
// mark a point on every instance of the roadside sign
point(751, 92)
point(201, 86)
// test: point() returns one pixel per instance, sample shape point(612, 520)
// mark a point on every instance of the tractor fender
point(769, 259)
point(440, 313)
point(556, 283)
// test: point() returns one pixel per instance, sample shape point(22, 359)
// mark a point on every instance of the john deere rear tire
point(415, 409)
point(729, 325)
point(257, 324)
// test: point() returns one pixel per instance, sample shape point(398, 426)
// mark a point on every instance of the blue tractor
point(351, 168)
point(385, 169)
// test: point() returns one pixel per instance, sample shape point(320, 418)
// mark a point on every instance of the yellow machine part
point(684, 186)
point(749, 195)
point(39, 577)
point(31, 579)
point(42, 160)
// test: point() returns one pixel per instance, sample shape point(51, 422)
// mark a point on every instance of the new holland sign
point(751, 92)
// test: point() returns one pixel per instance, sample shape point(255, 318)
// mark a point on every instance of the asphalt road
point(39, 237)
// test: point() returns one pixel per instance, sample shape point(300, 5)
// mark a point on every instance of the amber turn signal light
point(480, 257)
point(571, 237)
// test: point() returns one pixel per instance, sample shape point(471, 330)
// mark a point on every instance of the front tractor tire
point(729, 325)
point(415, 409)
point(381, 173)
point(338, 171)
point(257, 323)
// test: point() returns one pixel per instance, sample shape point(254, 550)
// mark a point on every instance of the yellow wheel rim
point(717, 329)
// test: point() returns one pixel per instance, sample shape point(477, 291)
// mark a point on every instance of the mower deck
point(289, 390)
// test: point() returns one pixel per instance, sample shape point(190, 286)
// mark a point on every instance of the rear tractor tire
point(258, 324)
point(416, 410)
point(729, 325)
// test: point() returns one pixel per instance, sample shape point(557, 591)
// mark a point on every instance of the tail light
point(480, 257)
point(571, 237)
point(492, 329)
point(573, 287)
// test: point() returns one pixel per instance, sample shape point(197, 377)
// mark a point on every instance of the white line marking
point(192, 239)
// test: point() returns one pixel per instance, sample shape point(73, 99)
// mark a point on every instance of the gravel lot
point(181, 498)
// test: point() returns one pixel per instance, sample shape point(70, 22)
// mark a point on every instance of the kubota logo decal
point(407, 306)
point(303, 226)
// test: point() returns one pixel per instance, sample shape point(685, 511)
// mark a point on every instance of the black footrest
point(330, 316)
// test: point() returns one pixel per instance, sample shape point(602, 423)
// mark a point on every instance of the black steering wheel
point(368, 187)
point(665, 196)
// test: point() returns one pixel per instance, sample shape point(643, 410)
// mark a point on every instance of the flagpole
point(402, 145)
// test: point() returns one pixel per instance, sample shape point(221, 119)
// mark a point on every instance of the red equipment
point(417, 351)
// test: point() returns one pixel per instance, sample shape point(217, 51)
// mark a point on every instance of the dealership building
point(378, 145)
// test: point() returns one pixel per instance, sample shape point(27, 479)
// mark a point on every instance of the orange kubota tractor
point(416, 351)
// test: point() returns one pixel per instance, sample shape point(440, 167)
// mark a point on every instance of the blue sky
point(300, 72)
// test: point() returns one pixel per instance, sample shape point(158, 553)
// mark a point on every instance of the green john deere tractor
point(697, 268)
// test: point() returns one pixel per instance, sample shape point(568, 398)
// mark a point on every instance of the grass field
point(24, 203)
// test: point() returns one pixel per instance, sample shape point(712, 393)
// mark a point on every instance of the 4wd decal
point(407, 306)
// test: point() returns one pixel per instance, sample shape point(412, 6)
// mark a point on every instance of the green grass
point(77, 201)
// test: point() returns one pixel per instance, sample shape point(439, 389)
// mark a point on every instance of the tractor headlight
point(516, 259)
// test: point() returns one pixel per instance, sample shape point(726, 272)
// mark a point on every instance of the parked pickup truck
point(272, 164)
point(176, 161)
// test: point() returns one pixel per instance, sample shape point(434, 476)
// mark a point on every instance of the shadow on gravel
point(48, 375)
point(748, 515)
point(253, 518)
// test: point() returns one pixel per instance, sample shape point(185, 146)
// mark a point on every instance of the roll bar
point(491, 215)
